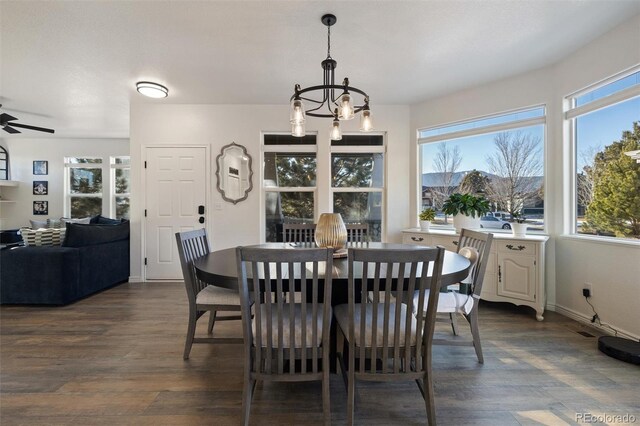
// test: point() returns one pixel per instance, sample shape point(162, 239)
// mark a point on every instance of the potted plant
point(426, 216)
point(466, 210)
point(518, 225)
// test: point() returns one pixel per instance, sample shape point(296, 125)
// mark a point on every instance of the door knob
point(201, 219)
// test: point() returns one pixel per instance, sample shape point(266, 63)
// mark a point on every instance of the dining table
point(219, 267)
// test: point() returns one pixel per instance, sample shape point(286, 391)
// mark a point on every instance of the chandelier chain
point(329, 42)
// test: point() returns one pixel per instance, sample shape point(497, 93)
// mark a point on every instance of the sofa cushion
point(81, 235)
point(42, 237)
point(54, 223)
point(84, 220)
point(37, 224)
point(101, 220)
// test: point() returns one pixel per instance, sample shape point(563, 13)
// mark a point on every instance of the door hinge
point(145, 261)
point(145, 164)
point(145, 212)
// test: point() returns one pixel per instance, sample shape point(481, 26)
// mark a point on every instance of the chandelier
point(324, 102)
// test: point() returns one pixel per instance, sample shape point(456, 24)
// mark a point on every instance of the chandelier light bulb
point(336, 133)
point(297, 112)
point(297, 129)
point(346, 107)
point(366, 125)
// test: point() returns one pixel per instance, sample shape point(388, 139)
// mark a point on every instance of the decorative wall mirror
point(234, 173)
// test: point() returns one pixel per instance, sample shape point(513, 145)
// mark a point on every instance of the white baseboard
point(586, 320)
point(135, 279)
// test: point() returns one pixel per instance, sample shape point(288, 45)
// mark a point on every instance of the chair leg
point(247, 396)
point(351, 389)
point(428, 397)
point(454, 323)
point(326, 393)
point(191, 331)
point(475, 332)
point(212, 321)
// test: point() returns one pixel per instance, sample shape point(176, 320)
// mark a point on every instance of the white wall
point(614, 269)
point(23, 152)
point(218, 125)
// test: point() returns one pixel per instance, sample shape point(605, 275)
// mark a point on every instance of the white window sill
point(601, 240)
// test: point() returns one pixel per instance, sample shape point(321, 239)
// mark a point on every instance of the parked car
point(493, 222)
point(500, 215)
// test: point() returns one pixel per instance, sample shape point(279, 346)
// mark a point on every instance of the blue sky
point(597, 129)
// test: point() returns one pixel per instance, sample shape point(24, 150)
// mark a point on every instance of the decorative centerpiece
point(331, 232)
point(466, 210)
point(426, 216)
point(519, 225)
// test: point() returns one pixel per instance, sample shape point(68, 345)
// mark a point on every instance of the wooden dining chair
point(299, 232)
point(357, 232)
point(462, 302)
point(285, 340)
point(386, 339)
point(203, 297)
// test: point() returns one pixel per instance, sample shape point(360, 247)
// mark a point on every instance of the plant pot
point(424, 225)
point(519, 229)
point(463, 221)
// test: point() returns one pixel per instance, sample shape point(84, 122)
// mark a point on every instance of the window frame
point(483, 130)
point(570, 113)
point(112, 184)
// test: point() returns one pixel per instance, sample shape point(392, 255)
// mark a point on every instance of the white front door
point(175, 190)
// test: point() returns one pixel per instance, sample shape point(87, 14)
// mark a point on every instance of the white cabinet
point(515, 271)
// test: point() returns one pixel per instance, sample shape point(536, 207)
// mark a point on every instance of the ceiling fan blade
point(10, 129)
point(4, 117)
point(39, 129)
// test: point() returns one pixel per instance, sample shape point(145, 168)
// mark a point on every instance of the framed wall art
point(40, 167)
point(40, 208)
point(40, 187)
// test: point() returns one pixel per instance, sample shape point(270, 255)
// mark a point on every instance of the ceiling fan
point(6, 122)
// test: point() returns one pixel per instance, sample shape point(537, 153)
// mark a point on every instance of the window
point(500, 157)
point(289, 182)
point(84, 187)
point(354, 187)
point(120, 184)
point(357, 180)
point(604, 123)
point(85, 193)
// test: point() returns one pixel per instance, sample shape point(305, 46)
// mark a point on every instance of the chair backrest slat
point(284, 287)
point(192, 245)
point(482, 243)
point(357, 232)
point(398, 335)
point(299, 232)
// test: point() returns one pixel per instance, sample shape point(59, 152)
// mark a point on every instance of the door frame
point(143, 205)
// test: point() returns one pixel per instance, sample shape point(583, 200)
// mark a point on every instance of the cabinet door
point(517, 277)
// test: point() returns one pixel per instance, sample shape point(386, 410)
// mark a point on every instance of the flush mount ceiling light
point(326, 104)
point(152, 90)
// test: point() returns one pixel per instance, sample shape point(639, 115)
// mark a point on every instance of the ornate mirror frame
point(236, 172)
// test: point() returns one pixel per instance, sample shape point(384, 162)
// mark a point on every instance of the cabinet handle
point(511, 247)
point(499, 274)
point(417, 239)
point(455, 243)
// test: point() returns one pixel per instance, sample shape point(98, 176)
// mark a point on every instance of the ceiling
point(73, 65)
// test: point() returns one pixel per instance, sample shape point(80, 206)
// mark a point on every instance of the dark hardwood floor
point(115, 358)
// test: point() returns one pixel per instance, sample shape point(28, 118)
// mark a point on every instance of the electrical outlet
point(588, 288)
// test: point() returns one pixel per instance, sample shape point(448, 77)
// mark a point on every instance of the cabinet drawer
point(419, 239)
point(516, 247)
point(446, 241)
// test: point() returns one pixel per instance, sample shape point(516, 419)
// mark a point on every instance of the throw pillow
point(84, 220)
point(37, 224)
point(42, 237)
point(101, 220)
point(55, 223)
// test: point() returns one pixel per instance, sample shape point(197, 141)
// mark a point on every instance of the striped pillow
point(42, 237)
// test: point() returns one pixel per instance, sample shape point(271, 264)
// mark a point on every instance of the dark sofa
point(93, 257)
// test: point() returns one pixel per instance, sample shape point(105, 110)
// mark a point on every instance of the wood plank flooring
point(115, 358)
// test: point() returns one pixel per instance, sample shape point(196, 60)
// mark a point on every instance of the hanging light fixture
point(336, 98)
